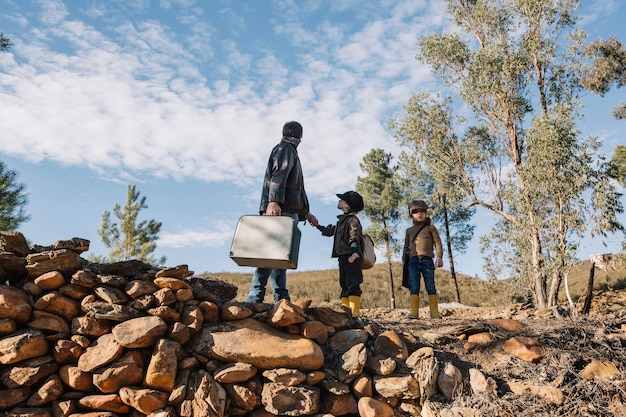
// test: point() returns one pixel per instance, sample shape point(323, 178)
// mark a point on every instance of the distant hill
point(323, 288)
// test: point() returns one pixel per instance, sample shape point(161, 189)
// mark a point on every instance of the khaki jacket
point(427, 242)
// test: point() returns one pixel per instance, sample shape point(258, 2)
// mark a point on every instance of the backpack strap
point(415, 236)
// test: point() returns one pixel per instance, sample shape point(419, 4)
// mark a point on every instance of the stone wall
point(78, 338)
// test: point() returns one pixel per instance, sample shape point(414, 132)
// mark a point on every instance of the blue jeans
point(278, 281)
point(277, 277)
point(426, 268)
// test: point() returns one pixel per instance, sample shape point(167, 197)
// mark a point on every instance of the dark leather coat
point(347, 230)
point(284, 181)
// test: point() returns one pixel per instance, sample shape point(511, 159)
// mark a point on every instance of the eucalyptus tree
point(129, 239)
point(618, 164)
point(516, 65)
point(13, 200)
point(382, 197)
point(608, 69)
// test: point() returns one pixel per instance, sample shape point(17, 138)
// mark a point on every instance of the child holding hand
point(347, 235)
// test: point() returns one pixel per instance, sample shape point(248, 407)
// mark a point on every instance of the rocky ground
point(124, 339)
point(583, 371)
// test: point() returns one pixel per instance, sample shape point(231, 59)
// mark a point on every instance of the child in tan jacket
point(421, 244)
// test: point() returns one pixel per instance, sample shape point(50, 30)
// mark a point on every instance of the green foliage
point(618, 164)
point(459, 219)
point(608, 69)
point(521, 157)
point(129, 239)
point(561, 167)
point(619, 111)
point(12, 200)
point(381, 196)
point(414, 181)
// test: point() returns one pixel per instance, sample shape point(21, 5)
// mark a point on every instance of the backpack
point(369, 254)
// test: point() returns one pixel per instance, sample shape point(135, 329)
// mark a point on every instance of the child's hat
point(354, 200)
point(421, 204)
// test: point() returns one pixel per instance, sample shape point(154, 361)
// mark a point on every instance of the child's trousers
point(421, 266)
point(350, 276)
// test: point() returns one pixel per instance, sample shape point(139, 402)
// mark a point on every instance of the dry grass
point(323, 286)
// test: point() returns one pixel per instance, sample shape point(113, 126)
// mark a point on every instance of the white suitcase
point(266, 242)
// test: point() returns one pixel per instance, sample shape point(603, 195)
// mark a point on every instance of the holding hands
point(312, 219)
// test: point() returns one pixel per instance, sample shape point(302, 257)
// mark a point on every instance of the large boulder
point(256, 343)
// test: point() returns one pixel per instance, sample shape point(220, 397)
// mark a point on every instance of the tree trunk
point(539, 289)
point(589, 294)
point(554, 289)
point(392, 296)
point(538, 278)
point(572, 306)
point(457, 296)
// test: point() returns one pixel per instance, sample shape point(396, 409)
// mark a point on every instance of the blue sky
point(185, 99)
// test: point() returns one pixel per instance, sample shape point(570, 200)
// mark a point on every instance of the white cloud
point(215, 236)
point(194, 91)
point(52, 12)
point(137, 100)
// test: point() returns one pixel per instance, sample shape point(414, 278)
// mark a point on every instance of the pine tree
point(12, 200)
point(129, 239)
point(382, 197)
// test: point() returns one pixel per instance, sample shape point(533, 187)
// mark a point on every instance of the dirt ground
point(572, 342)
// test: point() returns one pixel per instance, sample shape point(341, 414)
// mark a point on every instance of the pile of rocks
point(78, 338)
point(85, 339)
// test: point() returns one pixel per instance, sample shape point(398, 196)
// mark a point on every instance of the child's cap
point(417, 204)
point(354, 200)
